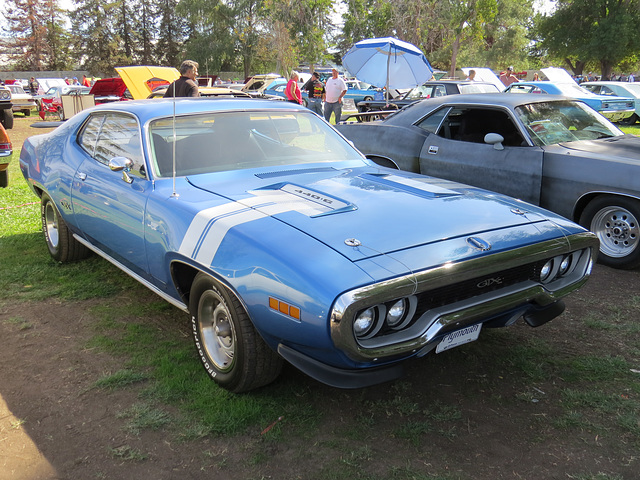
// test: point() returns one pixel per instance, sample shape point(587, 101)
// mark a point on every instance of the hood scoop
point(284, 173)
point(295, 197)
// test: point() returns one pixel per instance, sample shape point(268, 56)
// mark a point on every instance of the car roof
point(455, 82)
point(149, 109)
point(606, 82)
point(503, 100)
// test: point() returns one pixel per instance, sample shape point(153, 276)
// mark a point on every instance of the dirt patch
point(53, 425)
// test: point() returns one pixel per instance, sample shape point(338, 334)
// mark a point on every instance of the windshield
point(634, 88)
point(550, 123)
point(478, 88)
point(215, 142)
point(572, 90)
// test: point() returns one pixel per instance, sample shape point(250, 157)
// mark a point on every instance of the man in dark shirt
point(315, 88)
point(186, 85)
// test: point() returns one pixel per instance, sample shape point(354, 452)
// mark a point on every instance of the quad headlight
point(396, 313)
point(364, 322)
point(560, 266)
point(384, 318)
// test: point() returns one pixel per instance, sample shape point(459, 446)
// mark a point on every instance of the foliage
point(257, 36)
point(592, 30)
point(34, 34)
point(364, 19)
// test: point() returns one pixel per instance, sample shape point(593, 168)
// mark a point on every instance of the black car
point(431, 89)
point(548, 150)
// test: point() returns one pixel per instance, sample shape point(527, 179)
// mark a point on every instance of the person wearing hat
point(508, 77)
point(315, 89)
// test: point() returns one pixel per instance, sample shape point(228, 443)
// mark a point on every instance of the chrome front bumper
point(514, 300)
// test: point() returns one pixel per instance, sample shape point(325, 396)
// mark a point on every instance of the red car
point(6, 152)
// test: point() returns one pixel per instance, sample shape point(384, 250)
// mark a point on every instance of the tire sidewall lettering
point(203, 357)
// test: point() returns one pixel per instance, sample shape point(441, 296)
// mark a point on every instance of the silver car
point(548, 150)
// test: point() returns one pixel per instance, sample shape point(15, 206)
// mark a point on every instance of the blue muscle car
point(284, 242)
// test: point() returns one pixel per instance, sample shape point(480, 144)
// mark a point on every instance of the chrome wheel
point(217, 330)
point(229, 347)
point(617, 229)
point(50, 223)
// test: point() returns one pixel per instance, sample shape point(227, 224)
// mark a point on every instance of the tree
point(27, 28)
point(171, 34)
point(308, 23)
point(246, 29)
point(58, 39)
point(97, 47)
point(580, 31)
point(145, 31)
point(365, 19)
point(208, 26)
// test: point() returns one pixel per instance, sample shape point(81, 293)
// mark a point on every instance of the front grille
point(449, 294)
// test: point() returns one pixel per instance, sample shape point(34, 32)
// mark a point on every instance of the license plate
point(459, 337)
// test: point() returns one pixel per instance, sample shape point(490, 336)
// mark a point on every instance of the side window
point(472, 124)
point(515, 88)
point(439, 91)
point(433, 121)
point(607, 91)
point(113, 135)
point(89, 135)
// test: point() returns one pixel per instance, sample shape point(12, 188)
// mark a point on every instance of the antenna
point(174, 194)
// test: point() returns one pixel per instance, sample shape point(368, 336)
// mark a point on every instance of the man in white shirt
point(335, 89)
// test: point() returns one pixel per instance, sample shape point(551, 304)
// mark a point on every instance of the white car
point(22, 101)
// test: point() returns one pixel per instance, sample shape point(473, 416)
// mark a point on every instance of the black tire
point(231, 350)
point(7, 118)
point(4, 179)
point(629, 120)
point(614, 220)
point(367, 99)
point(60, 242)
point(27, 113)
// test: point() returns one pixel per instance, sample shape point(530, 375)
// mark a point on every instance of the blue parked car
point(360, 91)
point(616, 109)
point(618, 89)
point(276, 88)
point(283, 242)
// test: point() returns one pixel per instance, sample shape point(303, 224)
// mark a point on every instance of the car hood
point(108, 86)
point(625, 147)
point(141, 79)
point(382, 211)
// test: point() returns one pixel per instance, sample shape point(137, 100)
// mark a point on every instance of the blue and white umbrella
point(387, 62)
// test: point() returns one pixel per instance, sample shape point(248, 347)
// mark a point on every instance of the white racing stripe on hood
point(209, 227)
point(425, 185)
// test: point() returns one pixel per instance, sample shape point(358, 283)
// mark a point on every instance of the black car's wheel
point(4, 179)
point(26, 112)
point(60, 242)
point(6, 117)
point(629, 120)
point(230, 348)
point(614, 220)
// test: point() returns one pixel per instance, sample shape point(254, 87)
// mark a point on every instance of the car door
point(110, 205)
point(456, 150)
